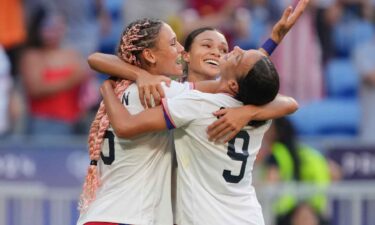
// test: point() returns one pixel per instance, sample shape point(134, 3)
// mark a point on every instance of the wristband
point(269, 46)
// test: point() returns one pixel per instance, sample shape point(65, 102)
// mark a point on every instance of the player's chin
point(177, 70)
point(212, 73)
point(178, 73)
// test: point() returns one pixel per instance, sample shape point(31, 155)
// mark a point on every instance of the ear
point(186, 56)
point(233, 86)
point(149, 56)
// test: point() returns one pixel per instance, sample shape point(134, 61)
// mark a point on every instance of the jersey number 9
point(237, 156)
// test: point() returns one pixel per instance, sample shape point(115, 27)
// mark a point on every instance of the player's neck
point(196, 77)
point(224, 88)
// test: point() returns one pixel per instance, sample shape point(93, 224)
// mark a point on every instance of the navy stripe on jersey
point(167, 118)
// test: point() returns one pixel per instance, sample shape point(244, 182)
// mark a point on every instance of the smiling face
point(204, 54)
point(238, 63)
point(167, 53)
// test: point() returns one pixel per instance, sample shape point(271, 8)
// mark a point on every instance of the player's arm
point(279, 31)
point(232, 120)
point(282, 27)
point(126, 125)
point(148, 85)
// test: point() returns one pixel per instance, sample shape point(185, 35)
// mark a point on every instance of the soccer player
point(203, 48)
point(119, 166)
point(133, 181)
point(214, 180)
point(128, 181)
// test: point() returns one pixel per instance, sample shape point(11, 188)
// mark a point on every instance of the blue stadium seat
point(328, 117)
point(363, 31)
point(349, 33)
point(342, 79)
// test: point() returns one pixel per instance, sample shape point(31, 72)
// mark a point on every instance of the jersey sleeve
point(181, 110)
point(177, 88)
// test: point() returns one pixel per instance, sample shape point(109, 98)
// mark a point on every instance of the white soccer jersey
point(214, 180)
point(135, 173)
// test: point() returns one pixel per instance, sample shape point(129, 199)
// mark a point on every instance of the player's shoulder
point(131, 91)
point(195, 95)
point(175, 88)
point(130, 99)
point(223, 100)
point(131, 87)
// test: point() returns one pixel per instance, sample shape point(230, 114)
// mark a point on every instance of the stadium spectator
point(304, 214)
point(302, 77)
point(6, 86)
point(363, 58)
point(328, 13)
point(291, 161)
point(52, 76)
point(227, 15)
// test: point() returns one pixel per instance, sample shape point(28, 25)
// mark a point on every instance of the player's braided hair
point(95, 141)
point(137, 36)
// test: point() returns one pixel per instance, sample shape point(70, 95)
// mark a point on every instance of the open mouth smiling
point(213, 62)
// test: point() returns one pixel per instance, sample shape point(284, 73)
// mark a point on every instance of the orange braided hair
point(95, 141)
point(137, 36)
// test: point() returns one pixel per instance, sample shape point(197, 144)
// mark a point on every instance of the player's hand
point(287, 20)
point(230, 122)
point(108, 85)
point(150, 89)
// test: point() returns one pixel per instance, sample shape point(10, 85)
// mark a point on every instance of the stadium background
point(41, 175)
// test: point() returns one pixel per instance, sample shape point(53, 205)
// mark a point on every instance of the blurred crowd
point(47, 87)
point(326, 62)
